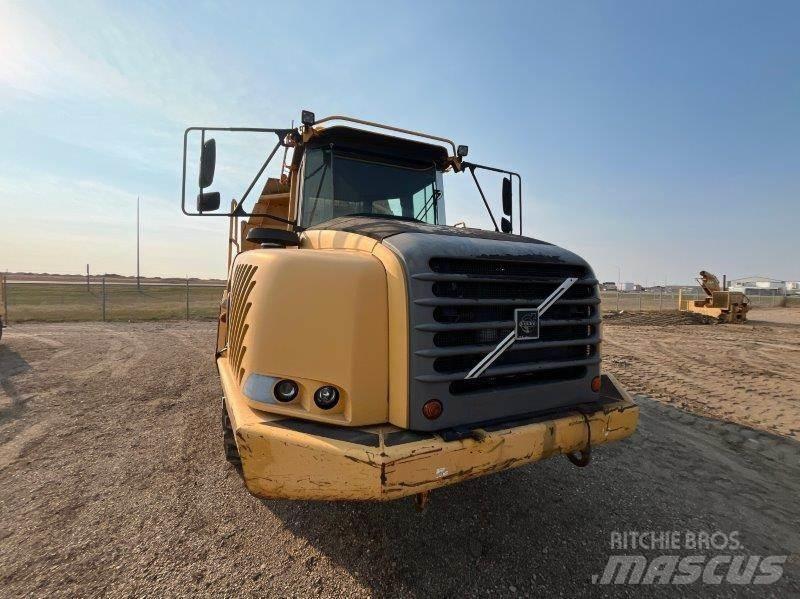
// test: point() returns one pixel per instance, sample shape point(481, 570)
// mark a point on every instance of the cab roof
point(351, 139)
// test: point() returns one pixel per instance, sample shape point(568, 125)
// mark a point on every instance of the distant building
point(792, 287)
point(608, 286)
point(626, 286)
point(757, 285)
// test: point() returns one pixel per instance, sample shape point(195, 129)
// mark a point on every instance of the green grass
point(56, 303)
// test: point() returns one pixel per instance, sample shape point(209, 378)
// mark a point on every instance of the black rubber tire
point(229, 442)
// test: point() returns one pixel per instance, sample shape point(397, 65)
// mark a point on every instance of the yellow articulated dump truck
point(369, 351)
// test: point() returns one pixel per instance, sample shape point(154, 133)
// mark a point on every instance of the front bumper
point(290, 458)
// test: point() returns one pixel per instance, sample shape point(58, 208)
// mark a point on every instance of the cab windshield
point(338, 183)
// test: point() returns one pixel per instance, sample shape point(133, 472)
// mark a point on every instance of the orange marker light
point(432, 409)
point(596, 384)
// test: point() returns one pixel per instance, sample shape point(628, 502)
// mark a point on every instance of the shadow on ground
point(11, 364)
point(547, 527)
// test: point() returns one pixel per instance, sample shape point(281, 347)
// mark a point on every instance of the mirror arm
point(202, 143)
point(519, 200)
point(258, 175)
point(471, 168)
point(282, 135)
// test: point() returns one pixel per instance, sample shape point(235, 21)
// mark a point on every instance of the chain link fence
point(649, 301)
point(109, 301)
point(106, 300)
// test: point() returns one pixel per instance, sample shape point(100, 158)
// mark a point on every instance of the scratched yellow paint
point(282, 463)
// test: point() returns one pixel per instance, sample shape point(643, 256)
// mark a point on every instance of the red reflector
point(432, 409)
point(596, 384)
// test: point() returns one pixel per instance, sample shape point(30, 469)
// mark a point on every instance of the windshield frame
point(355, 154)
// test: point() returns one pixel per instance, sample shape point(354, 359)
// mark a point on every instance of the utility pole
point(138, 281)
point(5, 299)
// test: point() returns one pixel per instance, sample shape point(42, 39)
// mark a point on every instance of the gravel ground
point(113, 483)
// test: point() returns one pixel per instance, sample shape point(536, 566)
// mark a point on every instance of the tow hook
point(583, 460)
point(586, 453)
point(421, 500)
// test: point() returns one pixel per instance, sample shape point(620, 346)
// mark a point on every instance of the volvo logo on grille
point(527, 324)
point(524, 318)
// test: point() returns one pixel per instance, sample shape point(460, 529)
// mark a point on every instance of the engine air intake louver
point(241, 286)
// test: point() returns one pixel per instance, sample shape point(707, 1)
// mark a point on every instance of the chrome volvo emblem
point(526, 323)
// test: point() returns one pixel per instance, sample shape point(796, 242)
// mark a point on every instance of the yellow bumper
point(297, 459)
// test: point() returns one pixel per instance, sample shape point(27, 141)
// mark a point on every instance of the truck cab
point(367, 350)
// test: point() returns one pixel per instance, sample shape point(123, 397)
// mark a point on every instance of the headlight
point(326, 397)
point(285, 390)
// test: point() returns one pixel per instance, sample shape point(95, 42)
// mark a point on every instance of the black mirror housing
point(507, 197)
point(208, 163)
point(505, 225)
point(208, 201)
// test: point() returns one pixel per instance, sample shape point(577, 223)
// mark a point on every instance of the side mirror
point(208, 162)
point(507, 195)
point(208, 201)
point(505, 225)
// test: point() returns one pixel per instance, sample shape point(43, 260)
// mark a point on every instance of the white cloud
point(99, 54)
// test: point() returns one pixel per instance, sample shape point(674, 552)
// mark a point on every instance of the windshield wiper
point(384, 216)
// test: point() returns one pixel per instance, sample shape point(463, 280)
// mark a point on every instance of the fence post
point(617, 300)
point(661, 300)
point(104, 298)
point(187, 298)
point(5, 297)
point(640, 301)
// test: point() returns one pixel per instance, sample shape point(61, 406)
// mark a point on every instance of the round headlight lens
point(326, 397)
point(285, 390)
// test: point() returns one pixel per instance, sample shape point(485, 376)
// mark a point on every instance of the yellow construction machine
point(369, 351)
point(725, 306)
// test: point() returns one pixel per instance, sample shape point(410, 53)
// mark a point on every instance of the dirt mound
point(656, 319)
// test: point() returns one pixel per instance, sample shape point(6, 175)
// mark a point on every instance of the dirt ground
point(749, 374)
point(113, 481)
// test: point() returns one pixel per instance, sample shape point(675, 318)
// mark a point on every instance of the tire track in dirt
point(748, 374)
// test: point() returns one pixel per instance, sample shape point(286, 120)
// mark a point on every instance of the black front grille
point(529, 354)
point(471, 314)
point(488, 383)
point(495, 336)
point(505, 268)
point(505, 290)
point(473, 303)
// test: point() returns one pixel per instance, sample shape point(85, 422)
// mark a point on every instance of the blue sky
point(654, 138)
